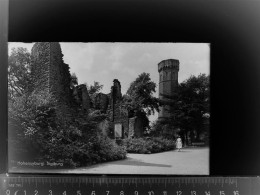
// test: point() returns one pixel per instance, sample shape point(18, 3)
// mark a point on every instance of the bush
point(148, 145)
point(39, 133)
point(103, 149)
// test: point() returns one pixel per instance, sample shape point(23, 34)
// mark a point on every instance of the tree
point(19, 63)
point(94, 89)
point(190, 104)
point(139, 100)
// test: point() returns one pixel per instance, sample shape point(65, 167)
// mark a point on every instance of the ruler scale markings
point(222, 185)
point(82, 180)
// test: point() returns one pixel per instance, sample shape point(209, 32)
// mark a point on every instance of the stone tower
point(168, 83)
point(50, 74)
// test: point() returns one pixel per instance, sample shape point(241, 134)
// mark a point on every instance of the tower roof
point(169, 64)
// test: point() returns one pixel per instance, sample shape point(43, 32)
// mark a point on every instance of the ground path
point(189, 161)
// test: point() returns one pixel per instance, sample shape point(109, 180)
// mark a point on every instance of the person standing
point(179, 143)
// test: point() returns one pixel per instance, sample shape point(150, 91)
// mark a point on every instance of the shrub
point(148, 145)
point(39, 133)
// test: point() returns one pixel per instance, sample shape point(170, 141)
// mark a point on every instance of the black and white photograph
point(109, 108)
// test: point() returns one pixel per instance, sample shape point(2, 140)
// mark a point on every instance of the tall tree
point(19, 63)
point(139, 100)
point(190, 104)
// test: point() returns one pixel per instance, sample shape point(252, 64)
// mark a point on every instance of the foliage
point(139, 100)
point(18, 71)
point(39, 131)
point(28, 116)
point(57, 139)
point(94, 89)
point(139, 95)
point(148, 145)
point(190, 104)
point(163, 128)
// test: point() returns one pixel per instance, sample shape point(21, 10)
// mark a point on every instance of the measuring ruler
point(127, 185)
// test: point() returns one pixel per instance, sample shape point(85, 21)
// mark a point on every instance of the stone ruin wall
point(81, 96)
point(40, 69)
point(51, 75)
point(117, 115)
point(101, 102)
point(59, 75)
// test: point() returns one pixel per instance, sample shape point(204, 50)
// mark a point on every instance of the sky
point(104, 62)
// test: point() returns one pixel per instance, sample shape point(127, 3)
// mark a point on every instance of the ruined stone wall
point(51, 75)
point(59, 74)
point(131, 131)
point(81, 96)
point(136, 127)
point(121, 117)
point(40, 69)
point(101, 102)
point(118, 116)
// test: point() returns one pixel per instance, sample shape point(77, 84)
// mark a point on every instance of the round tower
point(168, 83)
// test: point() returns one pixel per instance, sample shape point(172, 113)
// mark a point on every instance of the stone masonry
point(168, 83)
point(118, 117)
point(51, 75)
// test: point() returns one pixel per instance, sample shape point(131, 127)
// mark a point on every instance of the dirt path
point(190, 161)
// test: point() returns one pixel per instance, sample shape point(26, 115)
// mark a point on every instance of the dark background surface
point(232, 28)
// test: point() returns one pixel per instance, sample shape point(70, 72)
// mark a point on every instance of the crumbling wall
point(51, 75)
point(40, 68)
point(118, 116)
point(81, 96)
point(136, 127)
point(101, 102)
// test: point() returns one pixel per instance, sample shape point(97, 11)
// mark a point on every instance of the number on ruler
point(150, 193)
point(78, 192)
point(193, 192)
point(136, 192)
point(64, 193)
point(35, 192)
point(93, 193)
point(179, 192)
point(7, 192)
point(50, 192)
point(121, 192)
point(108, 192)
